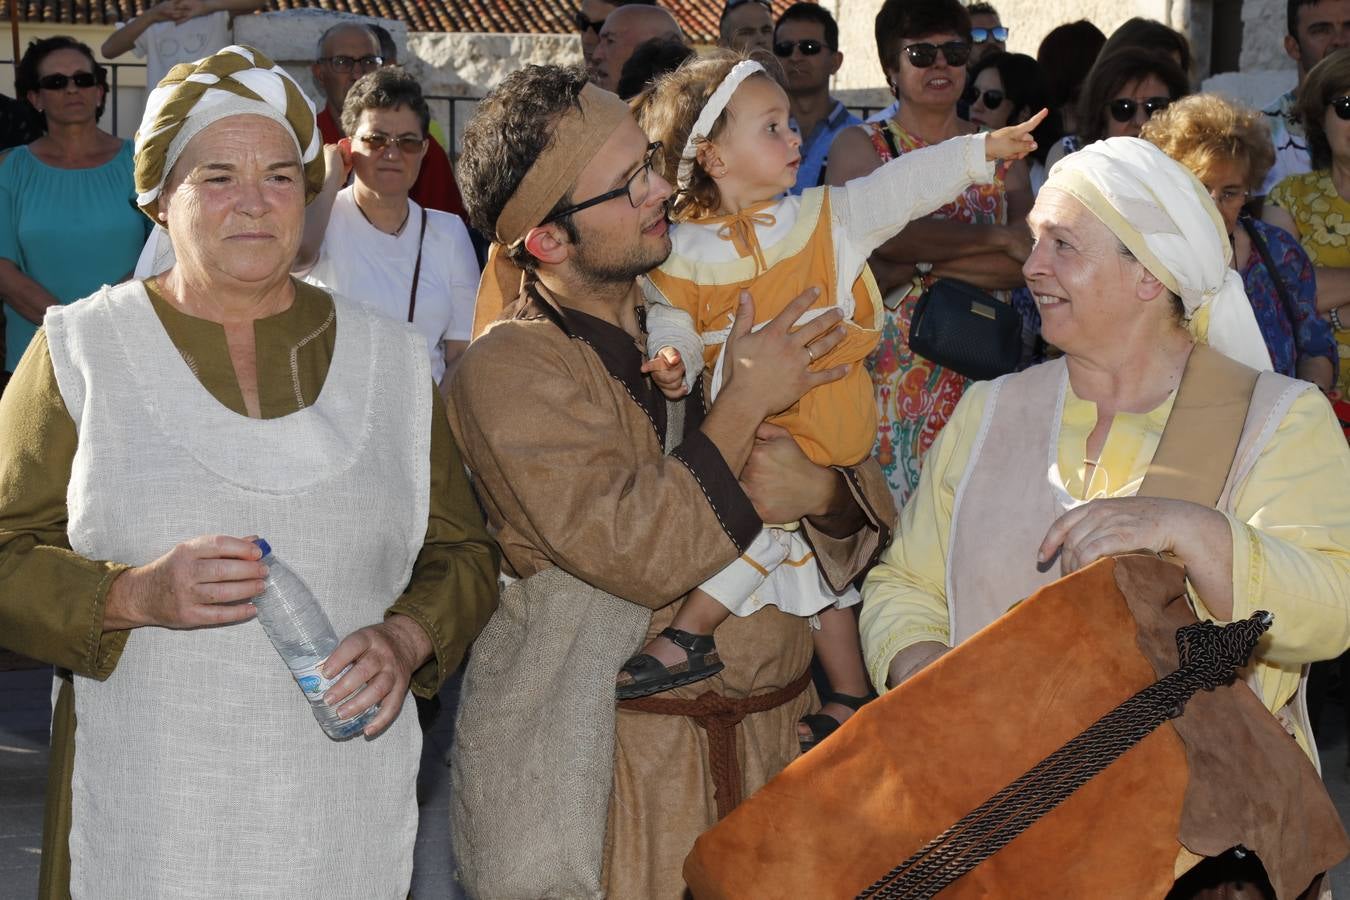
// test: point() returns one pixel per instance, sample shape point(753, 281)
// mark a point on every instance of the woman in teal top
point(68, 219)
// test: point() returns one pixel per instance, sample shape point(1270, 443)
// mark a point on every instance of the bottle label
point(312, 682)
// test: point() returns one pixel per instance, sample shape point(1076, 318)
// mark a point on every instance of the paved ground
point(24, 715)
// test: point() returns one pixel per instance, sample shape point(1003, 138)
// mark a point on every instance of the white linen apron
point(199, 768)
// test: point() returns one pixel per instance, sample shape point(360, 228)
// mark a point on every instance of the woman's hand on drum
point(199, 583)
point(383, 657)
point(1197, 535)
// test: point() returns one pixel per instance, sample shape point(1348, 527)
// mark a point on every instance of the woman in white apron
point(149, 431)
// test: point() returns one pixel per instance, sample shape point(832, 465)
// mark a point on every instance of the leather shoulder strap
point(1200, 440)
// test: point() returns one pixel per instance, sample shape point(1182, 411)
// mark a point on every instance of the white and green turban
point(236, 81)
point(1164, 215)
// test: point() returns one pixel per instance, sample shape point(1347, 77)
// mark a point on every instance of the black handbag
point(962, 328)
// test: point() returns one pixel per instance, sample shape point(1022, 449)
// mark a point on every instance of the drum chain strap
point(1210, 656)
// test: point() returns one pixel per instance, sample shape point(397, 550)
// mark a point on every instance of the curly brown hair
point(1205, 130)
point(668, 109)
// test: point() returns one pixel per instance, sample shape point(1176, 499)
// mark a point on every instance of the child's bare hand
point(667, 370)
point(1015, 141)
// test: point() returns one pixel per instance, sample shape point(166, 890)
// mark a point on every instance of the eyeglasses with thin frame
point(1229, 196)
point(992, 99)
point(980, 35)
point(1124, 109)
point(808, 47)
point(345, 64)
point(58, 82)
point(582, 23)
point(638, 187)
point(1342, 107)
point(924, 54)
point(407, 145)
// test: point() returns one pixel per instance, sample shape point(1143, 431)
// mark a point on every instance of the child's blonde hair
point(667, 110)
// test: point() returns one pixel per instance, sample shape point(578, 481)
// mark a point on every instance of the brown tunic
point(564, 436)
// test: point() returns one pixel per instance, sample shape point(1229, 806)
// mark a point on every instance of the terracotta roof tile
point(697, 17)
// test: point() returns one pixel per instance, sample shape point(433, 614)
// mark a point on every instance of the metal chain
point(1209, 654)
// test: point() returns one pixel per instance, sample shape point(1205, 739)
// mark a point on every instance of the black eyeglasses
point(1123, 110)
point(980, 35)
point(638, 187)
point(344, 64)
point(407, 145)
point(809, 47)
point(1342, 107)
point(992, 99)
point(583, 24)
point(59, 82)
point(923, 55)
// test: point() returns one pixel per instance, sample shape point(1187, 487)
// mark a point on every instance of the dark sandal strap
point(852, 702)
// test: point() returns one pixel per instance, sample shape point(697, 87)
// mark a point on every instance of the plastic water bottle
point(302, 634)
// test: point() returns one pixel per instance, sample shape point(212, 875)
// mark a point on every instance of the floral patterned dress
point(915, 397)
point(1323, 220)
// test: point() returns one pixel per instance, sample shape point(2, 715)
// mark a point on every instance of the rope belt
point(1210, 655)
point(719, 716)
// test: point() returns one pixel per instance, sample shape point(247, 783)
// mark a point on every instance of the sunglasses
point(992, 99)
point(583, 24)
point(59, 82)
point(409, 146)
point(1123, 110)
point(1342, 107)
point(980, 35)
point(809, 47)
point(923, 55)
point(346, 64)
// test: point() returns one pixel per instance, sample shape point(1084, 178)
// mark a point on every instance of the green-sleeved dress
point(51, 599)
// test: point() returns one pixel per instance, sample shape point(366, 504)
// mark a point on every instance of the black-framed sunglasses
point(980, 35)
point(344, 64)
point(59, 82)
point(1123, 110)
point(809, 47)
point(924, 54)
point(1342, 107)
point(992, 99)
point(638, 188)
point(582, 23)
point(407, 145)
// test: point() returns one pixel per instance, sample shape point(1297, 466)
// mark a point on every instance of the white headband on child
point(708, 117)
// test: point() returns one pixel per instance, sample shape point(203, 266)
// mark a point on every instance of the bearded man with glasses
point(602, 532)
point(806, 42)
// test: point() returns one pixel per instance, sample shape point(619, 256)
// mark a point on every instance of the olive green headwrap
point(235, 81)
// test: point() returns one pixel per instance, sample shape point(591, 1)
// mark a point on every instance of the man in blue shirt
point(806, 42)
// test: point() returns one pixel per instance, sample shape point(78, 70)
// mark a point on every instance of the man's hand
point(382, 658)
point(198, 583)
point(667, 370)
point(782, 483)
point(771, 367)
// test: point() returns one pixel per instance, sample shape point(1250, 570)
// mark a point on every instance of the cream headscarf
point(1164, 215)
point(233, 82)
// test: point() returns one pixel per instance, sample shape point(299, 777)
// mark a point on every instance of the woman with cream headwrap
point(147, 431)
point(1130, 272)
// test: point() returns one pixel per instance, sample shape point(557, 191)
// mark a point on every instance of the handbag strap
point(1259, 241)
point(1200, 440)
point(417, 266)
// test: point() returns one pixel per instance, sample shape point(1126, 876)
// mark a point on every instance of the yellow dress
point(1323, 220)
point(1290, 534)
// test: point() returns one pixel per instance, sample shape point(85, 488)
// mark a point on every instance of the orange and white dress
point(776, 250)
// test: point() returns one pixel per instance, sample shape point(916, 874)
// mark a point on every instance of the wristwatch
point(1336, 319)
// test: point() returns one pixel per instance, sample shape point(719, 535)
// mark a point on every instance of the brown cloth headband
point(577, 137)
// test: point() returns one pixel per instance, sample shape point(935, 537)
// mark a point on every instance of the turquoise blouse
point(70, 230)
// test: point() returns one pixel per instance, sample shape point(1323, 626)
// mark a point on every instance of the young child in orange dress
point(722, 120)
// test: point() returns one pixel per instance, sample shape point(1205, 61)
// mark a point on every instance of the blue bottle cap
point(265, 547)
